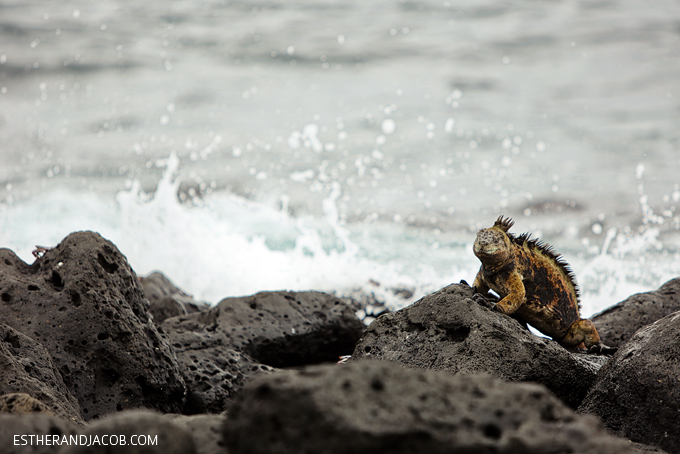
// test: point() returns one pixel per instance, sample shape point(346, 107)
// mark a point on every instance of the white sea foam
point(225, 245)
point(629, 263)
point(222, 245)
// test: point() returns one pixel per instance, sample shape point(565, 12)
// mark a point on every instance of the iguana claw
point(479, 299)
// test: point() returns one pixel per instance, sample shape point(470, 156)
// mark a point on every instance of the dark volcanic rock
point(637, 394)
point(646, 449)
point(221, 347)
point(379, 407)
point(26, 367)
point(283, 329)
point(206, 430)
point(213, 370)
point(84, 303)
point(619, 322)
point(449, 331)
point(143, 432)
point(18, 433)
point(371, 301)
point(22, 403)
point(166, 300)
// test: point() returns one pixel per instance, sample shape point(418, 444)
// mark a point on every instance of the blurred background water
point(240, 146)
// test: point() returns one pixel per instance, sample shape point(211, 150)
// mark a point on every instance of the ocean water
point(344, 145)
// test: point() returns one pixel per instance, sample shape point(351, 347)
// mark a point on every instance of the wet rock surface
point(166, 300)
point(637, 394)
point(618, 323)
point(220, 348)
point(26, 368)
point(85, 305)
point(381, 407)
point(449, 331)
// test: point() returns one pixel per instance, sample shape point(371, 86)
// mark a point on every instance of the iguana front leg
point(479, 286)
point(481, 290)
point(514, 291)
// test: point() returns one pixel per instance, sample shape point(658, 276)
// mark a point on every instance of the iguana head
point(493, 246)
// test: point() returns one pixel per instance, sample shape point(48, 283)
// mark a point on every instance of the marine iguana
point(535, 285)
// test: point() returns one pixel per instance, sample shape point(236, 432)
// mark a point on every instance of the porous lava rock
point(282, 329)
point(134, 432)
point(213, 370)
point(166, 300)
point(35, 433)
point(85, 305)
point(221, 347)
point(21, 404)
point(449, 331)
point(618, 323)
point(206, 430)
point(380, 407)
point(27, 369)
point(637, 393)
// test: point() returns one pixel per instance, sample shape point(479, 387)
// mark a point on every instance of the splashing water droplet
point(388, 126)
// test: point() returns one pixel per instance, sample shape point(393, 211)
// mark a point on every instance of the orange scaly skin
point(535, 285)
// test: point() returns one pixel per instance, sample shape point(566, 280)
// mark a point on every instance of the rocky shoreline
point(92, 354)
